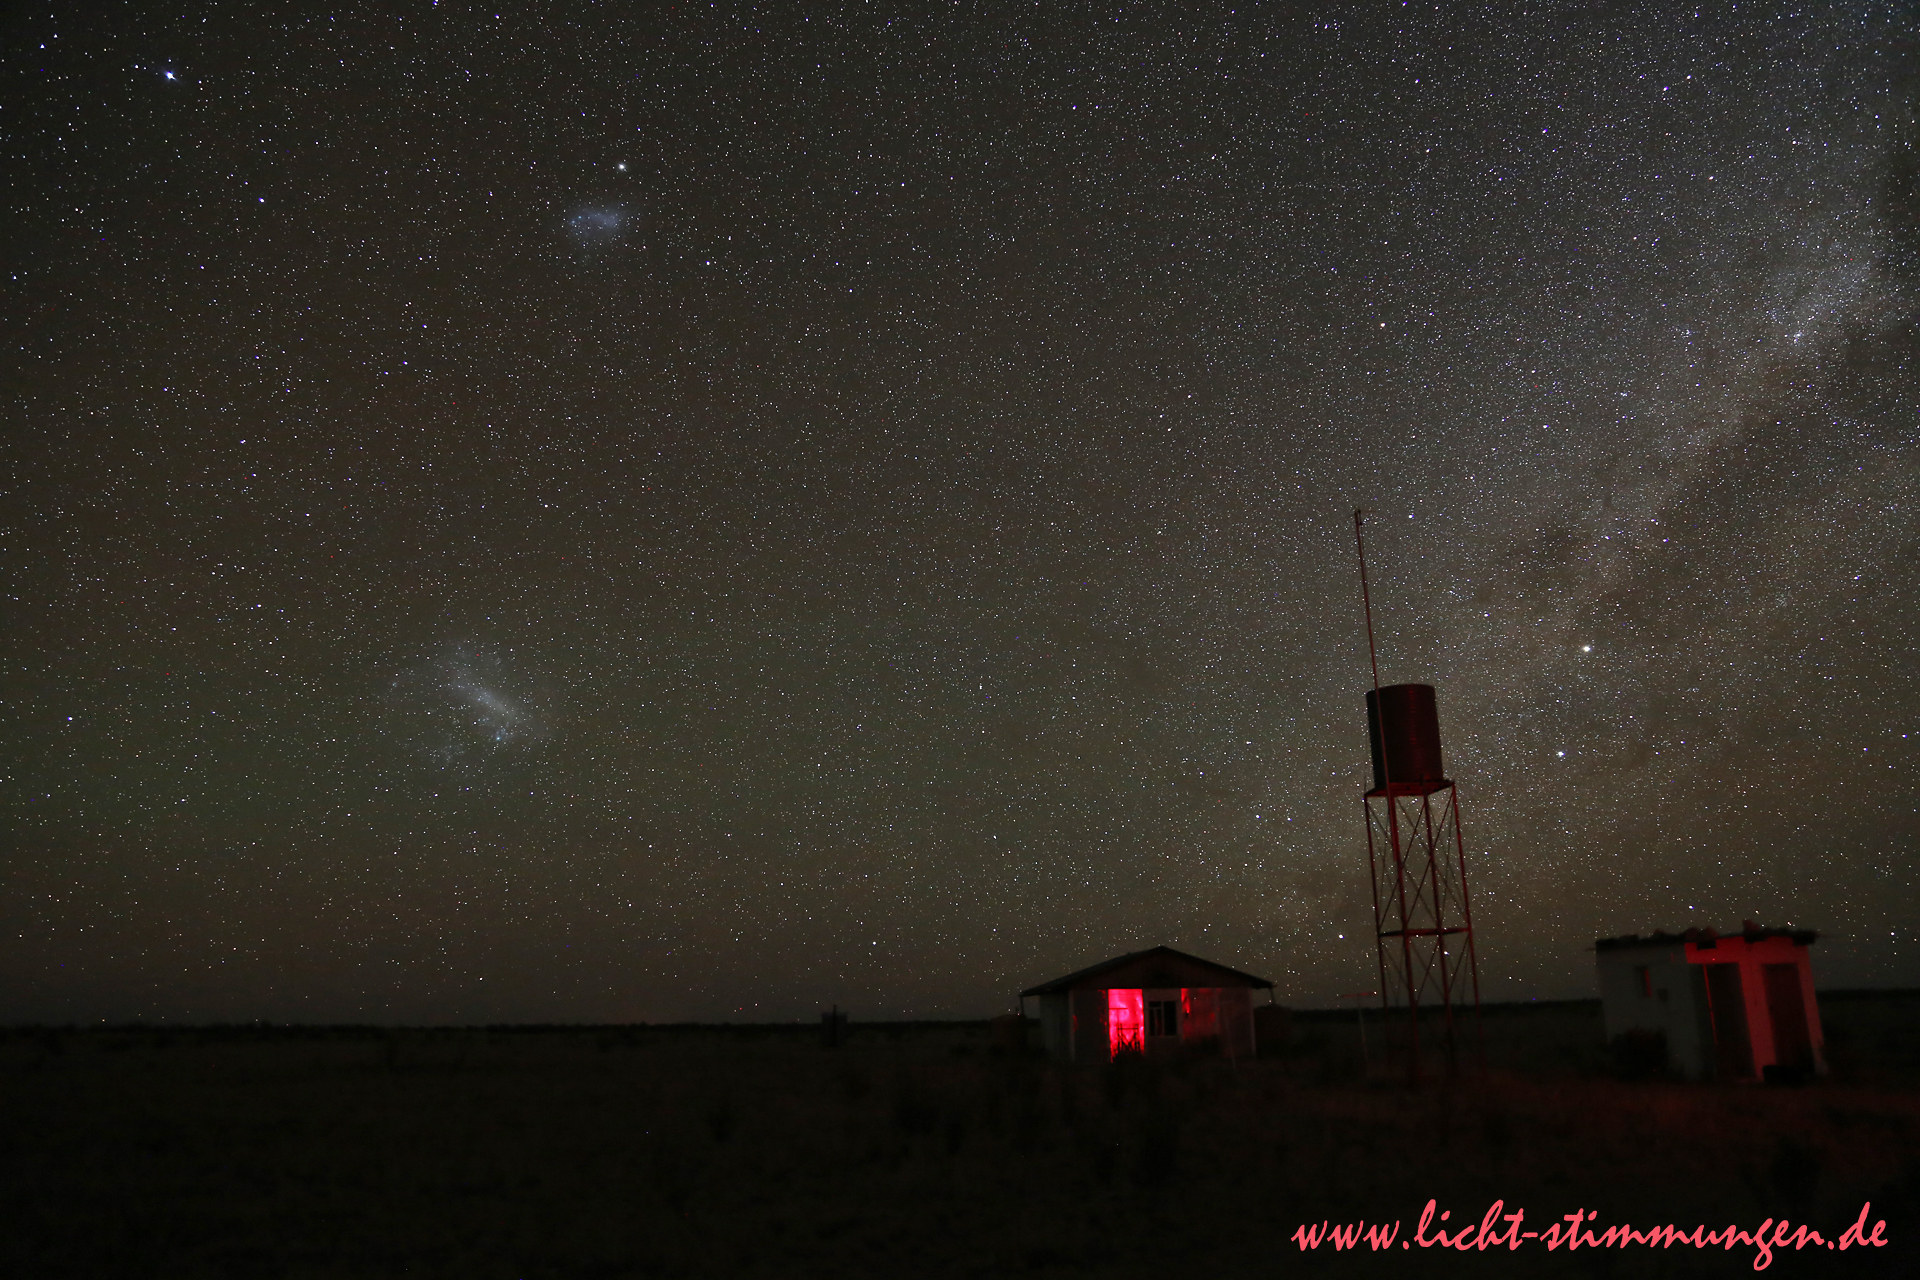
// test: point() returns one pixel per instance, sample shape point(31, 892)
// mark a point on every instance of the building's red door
point(1732, 1044)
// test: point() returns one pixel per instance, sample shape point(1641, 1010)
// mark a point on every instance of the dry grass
point(703, 1152)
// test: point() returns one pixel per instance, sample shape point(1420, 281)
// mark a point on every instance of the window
point(1163, 1017)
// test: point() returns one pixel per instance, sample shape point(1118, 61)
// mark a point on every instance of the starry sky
point(598, 512)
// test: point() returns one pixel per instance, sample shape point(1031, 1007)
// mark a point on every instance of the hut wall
point(1157, 1000)
point(1056, 1025)
point(1654, 990)
point(1088, 1031)
point(1199, 1014)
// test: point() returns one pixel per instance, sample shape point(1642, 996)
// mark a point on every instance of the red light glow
point(1199, 1013)
point(1126, 1021)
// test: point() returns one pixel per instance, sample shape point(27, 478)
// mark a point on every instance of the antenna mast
point(1366, 598)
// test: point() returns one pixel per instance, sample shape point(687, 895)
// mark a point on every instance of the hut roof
point(1155, 967)
point(1749, 932)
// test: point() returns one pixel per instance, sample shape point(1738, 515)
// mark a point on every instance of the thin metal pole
point(1360, 1011)
point(1366, 602)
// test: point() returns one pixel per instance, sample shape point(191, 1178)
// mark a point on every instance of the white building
point(1149, 1002)
point(1728, 1008)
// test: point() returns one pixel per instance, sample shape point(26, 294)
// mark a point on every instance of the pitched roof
point(1154, 967)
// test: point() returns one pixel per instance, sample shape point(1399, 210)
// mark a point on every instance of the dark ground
point(909, 1150)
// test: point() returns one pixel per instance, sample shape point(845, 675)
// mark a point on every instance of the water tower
point(1417, 860)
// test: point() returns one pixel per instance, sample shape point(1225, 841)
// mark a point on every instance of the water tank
point(1412, 753)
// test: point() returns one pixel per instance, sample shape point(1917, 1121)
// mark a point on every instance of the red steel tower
point(1417, 860)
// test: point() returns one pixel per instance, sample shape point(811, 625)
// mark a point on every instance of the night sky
point(649, 512)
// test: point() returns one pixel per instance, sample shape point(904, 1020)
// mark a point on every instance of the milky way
point(921, 564)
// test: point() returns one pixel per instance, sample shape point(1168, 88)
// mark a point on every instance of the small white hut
point(1731, 1008)
point(1150, 1002)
